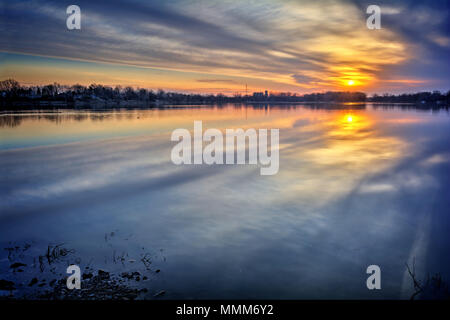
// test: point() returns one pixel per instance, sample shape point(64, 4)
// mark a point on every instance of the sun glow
point(349, 120)
point(350, 82)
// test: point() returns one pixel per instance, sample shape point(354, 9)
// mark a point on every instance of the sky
point(210, 46)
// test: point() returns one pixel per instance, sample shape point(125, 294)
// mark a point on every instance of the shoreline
point(145, 105)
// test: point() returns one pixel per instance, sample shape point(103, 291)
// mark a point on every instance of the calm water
point(373, 190)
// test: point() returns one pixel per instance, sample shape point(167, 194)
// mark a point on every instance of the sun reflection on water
point(332, 153)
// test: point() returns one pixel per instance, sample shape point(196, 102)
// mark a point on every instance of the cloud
point(322, 44)
point(376, 188)
point(216, 80)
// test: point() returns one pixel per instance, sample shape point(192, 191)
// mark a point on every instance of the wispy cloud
point(304, 46)
point(216, 80)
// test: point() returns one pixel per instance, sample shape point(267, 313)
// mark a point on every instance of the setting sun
point(350, 82)
point(349, 119)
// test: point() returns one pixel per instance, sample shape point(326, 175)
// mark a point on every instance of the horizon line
point(270, 92)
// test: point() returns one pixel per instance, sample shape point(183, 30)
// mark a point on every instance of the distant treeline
point(419, 97)
point(12, 93)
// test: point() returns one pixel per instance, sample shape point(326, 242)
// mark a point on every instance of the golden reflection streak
point(338, 151)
